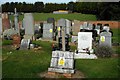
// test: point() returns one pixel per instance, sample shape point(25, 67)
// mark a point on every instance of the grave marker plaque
point(25, 44)
point(62, 62)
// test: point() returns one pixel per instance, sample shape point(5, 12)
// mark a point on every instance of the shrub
point(103, 51)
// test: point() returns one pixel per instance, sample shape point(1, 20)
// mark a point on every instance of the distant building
point(61, 12)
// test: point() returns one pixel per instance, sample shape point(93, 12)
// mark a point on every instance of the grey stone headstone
point(50, 20)
point(105, 39)
point(74, 39)
point(62, 67)
point(107, 28)
point(84, 40)
point(25, 44)
point(0, 25)
point(68, 26)
point(47, 30)
point(29, 24)
point(16, 21)
point(61, 22)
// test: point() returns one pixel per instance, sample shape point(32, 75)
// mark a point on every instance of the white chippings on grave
point(85, 46)
point(62, 62)
point(105, 39)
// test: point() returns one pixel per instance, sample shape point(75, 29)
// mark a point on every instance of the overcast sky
point(32, 1)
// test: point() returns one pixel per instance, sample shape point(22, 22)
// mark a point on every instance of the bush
point(103, 51)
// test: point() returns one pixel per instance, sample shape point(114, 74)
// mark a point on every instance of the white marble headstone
point(84, 40)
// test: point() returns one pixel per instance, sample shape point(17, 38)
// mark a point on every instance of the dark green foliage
point(103, 51)
point(6, 42)
point(103, 10)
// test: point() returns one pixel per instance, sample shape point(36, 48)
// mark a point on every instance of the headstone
point(0, 25)
point(61, 22)
point(68, 26)
point(25, 44)
point(106, 28)
point(5, 21)
point(50, 20)
point(84, 41)
point(29, 25)
point(74, 39)
point(85, 50)
point(16, 21)
point(105, 39)
point(48, 31)
point(63, 39)
point(16, 40)
point(62, 62)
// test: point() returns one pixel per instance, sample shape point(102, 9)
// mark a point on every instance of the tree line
point(103, 10)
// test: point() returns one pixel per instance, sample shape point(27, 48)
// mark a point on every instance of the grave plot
point(85, 46)
point(62, 62)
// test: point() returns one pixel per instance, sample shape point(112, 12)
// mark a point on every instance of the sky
point(32, 1)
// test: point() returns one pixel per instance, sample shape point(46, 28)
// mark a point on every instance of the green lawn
point(73, 16)
point(27, 64)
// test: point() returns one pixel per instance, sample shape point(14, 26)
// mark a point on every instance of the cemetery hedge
point(29, 64)
point(72, 16)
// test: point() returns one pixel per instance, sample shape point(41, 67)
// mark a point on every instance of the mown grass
point(28, 64)
point(73, 16)
point(100, 68)
point(24, 63)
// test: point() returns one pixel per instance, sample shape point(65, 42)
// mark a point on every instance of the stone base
point(67, 75)
point(84, 56)
point(68, 71)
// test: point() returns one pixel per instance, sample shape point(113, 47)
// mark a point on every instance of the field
point(44, 16)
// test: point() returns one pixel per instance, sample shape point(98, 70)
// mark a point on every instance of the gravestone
point(48, 31)
point(74, 39)
point(5, 21)
point(50, 20)
point(62, 62)
point(61, 22)
point(29, 26)
point(68, 26)
point(85, 46)
point(25, 44)
point(105, 39)
point(84, 41)
point(106, 28)
point(16, 21)
point(0, 25)
point(16, 40)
